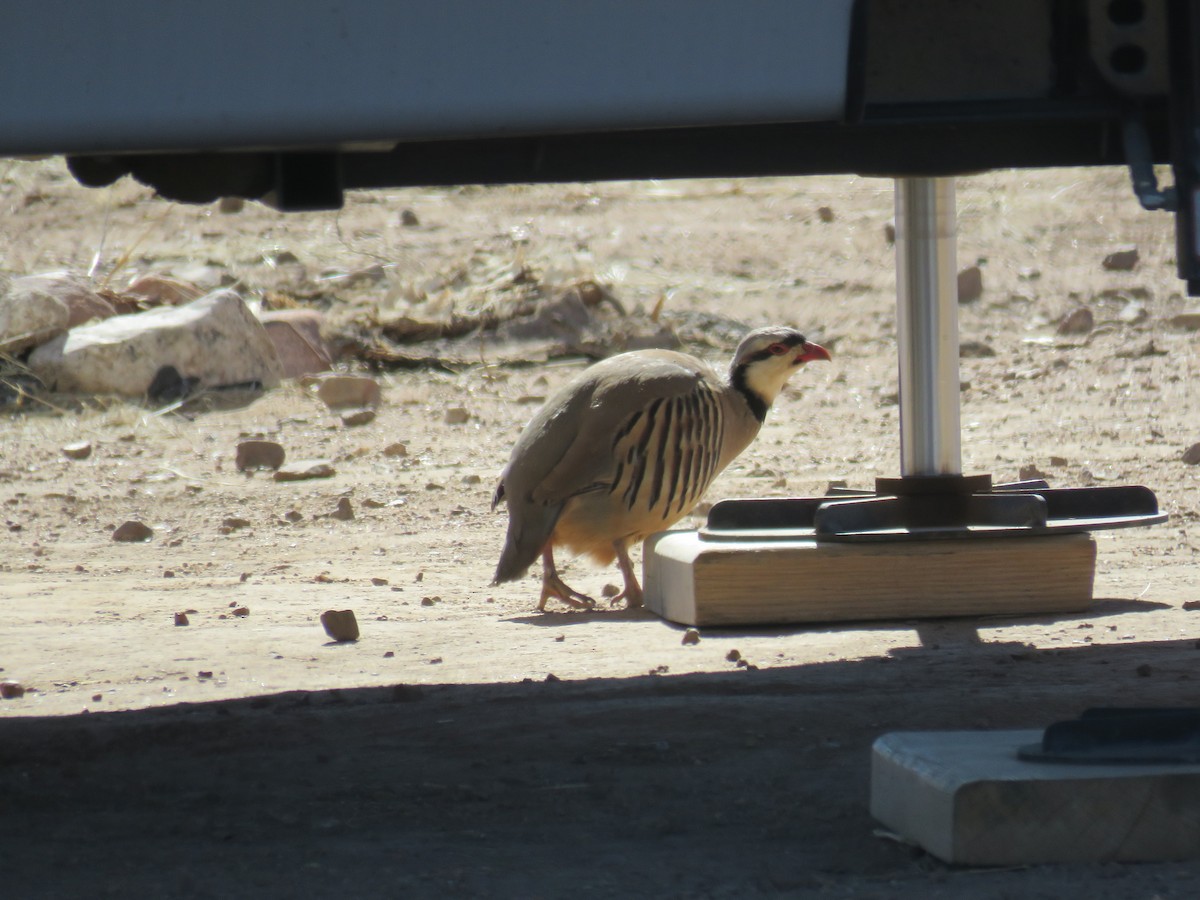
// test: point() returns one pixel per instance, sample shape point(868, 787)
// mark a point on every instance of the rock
point(231, 524)
point(1191, 455)
point(181, 619)
point(296, 334)
point(1077, 321)
point(352, 418)
point(159, 290)
point(348, 391)
point(1058, 461)
point(889, 232)
point(1122, 260)
point(825, 214)
point(1133, 313)
point(456, 415)
point(340, 624)
point(733, 655)
point(409, 219)
point(132, 531)
point(230, 205)
point(344, 511)
point(1189, 320)
point(970, 284)
point(241, 612)
point(78, 450)
point(975, 350)
point(303, 469)
point(395, 450)
point(259, 455)
point(11, 690)
point(36, 308)
point(1031, 473)
point(691, 636)
point(212, 342)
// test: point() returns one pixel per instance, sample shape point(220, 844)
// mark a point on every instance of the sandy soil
point(468, 745)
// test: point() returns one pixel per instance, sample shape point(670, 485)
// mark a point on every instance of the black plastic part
point(1017, 509)
point(1121, 736)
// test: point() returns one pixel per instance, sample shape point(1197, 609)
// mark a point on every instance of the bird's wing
point(580, 445)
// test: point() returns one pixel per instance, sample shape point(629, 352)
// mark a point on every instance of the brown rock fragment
point(691, 636)
point(348, 391)
point(352, 418)
point(181, 619)
point(340, 624)
point(1122, 260)
point(344, 511)
point(132, 531)
point(1078, 321)
point(11, 690)
point(1191, 455)
point(259, 455)
point(970, 284)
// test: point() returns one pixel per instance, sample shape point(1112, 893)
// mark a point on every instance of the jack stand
point(933, 542)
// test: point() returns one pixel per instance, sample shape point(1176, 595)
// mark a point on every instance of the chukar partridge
point(629, 447)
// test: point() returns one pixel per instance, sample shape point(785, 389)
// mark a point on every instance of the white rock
point(215, 340)
point(34, 309)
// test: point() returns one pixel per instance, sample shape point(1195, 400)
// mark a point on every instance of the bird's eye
point(777, 349)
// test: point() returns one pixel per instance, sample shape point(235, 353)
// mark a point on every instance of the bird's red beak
point(813, 352)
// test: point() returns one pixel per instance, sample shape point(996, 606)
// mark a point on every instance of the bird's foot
point(632, 595)
point(556, 587)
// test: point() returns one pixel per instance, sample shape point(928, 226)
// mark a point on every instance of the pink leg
point(553, 586)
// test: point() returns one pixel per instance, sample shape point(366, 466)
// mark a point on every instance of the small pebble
point(181, 619)
point(1077, 321)
point(1191, 455)
point(80, 450)
point(259, 455)
point(344, 511)
point(132, 532)
point(1122, 260)
point(379, 582)
point(355, 417)
point(241, 612)
point(825, 214)
point(691, 636)
point(304, 469)
point(970, 284)
point(409, 219)
point(396, 449)
point(348, 391)
point(11, 690)
point(733, 655)
point(457, 415)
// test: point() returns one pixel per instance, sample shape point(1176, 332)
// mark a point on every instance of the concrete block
point(966, 798)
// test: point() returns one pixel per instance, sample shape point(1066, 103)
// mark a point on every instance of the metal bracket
point(1141, 168)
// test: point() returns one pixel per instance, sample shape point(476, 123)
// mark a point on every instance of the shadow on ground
point(749, 783)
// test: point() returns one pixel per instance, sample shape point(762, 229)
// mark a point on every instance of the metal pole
point(927, 327)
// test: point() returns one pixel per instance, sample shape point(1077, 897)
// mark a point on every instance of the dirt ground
point(467, 745)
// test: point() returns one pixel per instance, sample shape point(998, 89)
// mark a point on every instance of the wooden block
point(700, 582)
point(966, 798)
